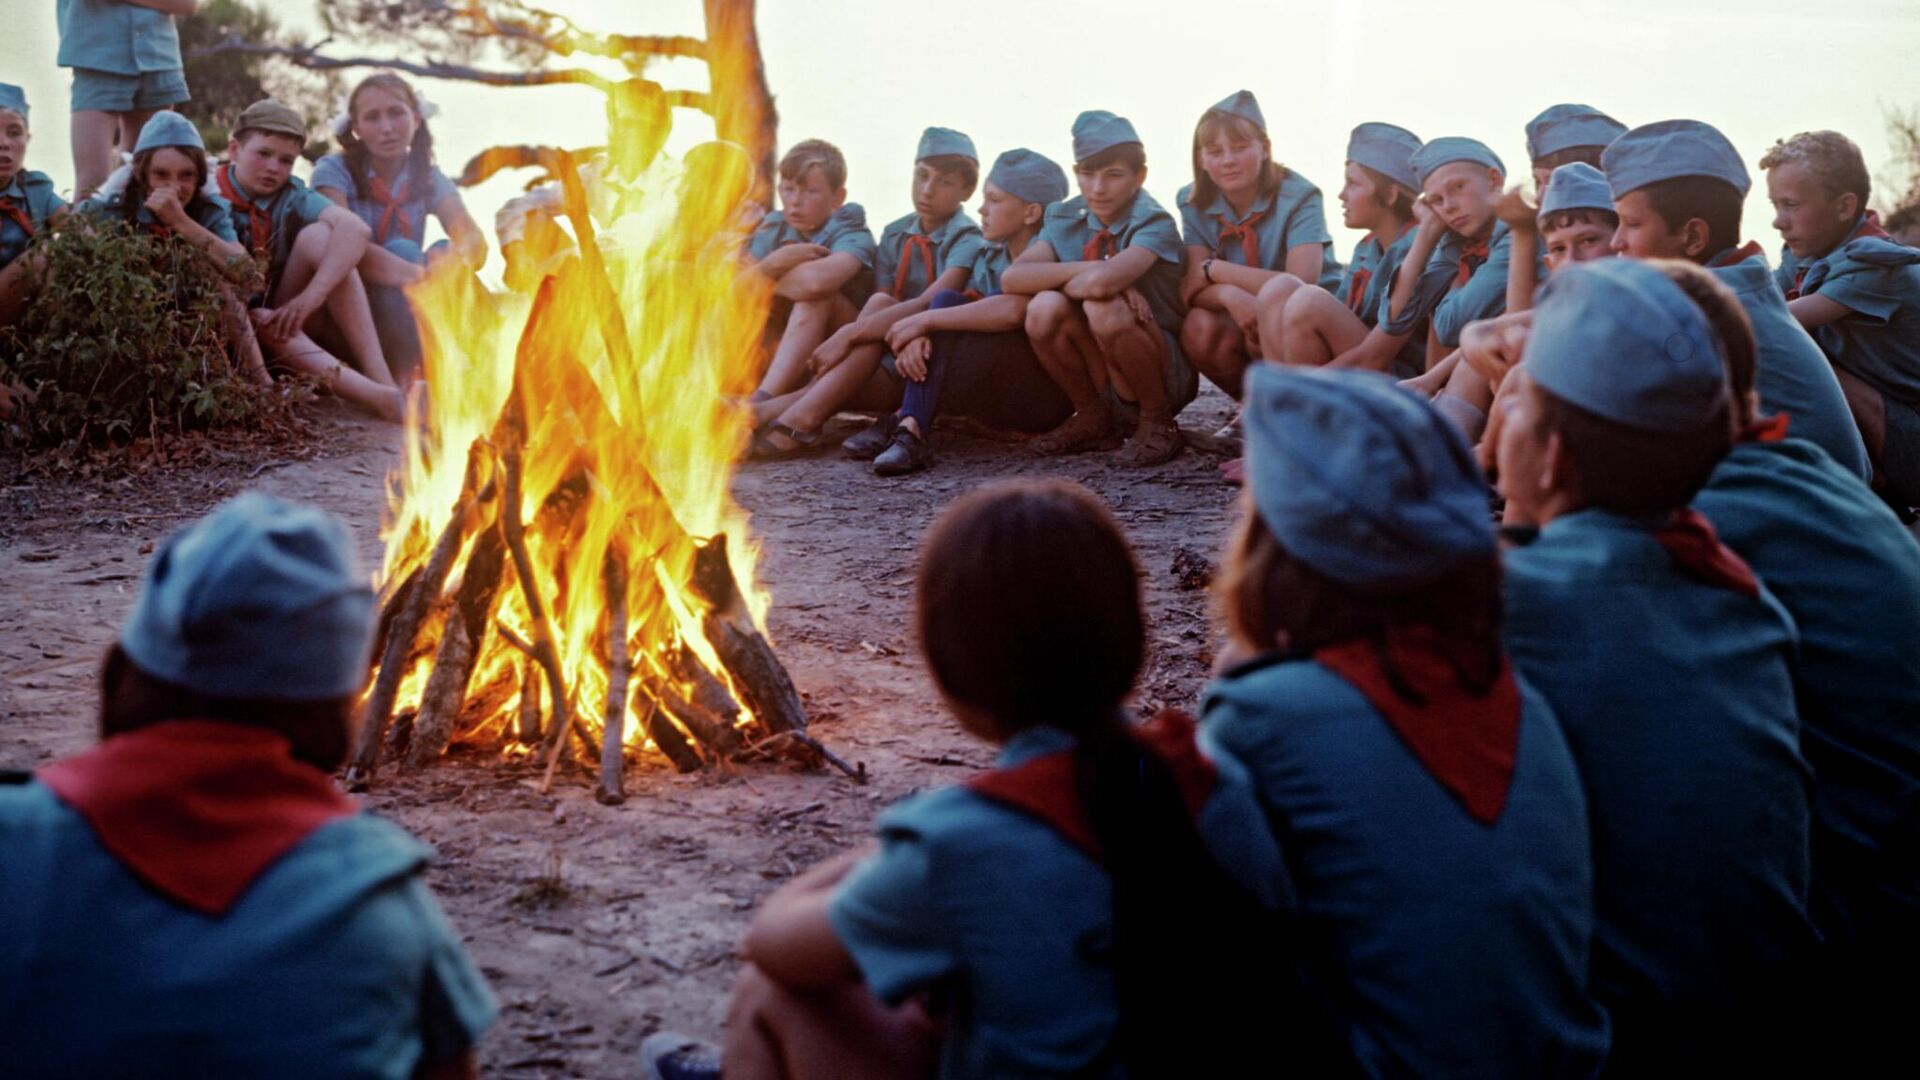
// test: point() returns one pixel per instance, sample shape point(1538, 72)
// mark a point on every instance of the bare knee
point(810, 313)
point(1202, 330)
point(878, 302)
point(1279, 289)
point(1109, 318)
point(1047, 314)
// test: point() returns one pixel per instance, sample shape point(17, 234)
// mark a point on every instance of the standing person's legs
point(108, 111)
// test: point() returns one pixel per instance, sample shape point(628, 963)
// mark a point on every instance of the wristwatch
point(1206, 270)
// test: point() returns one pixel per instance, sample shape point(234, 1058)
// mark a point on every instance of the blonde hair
point(815, 154)
point(1833, 159)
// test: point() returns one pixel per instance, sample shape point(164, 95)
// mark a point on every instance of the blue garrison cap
point(1361, 480)
point(259, 599)
point(1576, 186)
point(1445, 151)
point(1097, 129)
point(169, 128)
point(1564, 127)
point(1387, 150)
point(14, 98)
point(939, 141)
point(1669, 150)
point(1241, 103)
point(1028, 176)
point(1619, 339)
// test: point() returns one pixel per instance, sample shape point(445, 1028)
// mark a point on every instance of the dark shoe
point(908, 453)
point(1088, 430)
point(866, 444)
point(668, 1055)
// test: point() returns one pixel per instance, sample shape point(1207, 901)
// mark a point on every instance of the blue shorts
point(1182, 382)
point(107, 91)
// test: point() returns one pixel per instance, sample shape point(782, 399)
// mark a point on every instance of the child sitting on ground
point(1058, 915)
point(1104, 275)
point(818, 253)
point(928, 251)
point(193, 897)
point(1432, 817)
point(968, 353)
point(1246, 220)
point(1858, 291)
point(28, 202)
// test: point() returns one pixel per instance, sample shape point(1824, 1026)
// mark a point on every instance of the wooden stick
point(613, 324)
point(711, 732)
point(543, 647)
point(708, 691)
point(613, 732)
point(756, 669)
point(529, 729)
point(664, 735)
point(461, 645)
point(406, 625)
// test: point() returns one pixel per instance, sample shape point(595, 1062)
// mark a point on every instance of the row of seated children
point(1627, 792)
point(320, 266)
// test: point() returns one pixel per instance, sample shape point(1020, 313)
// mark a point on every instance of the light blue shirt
point(1070, 225)
point(957, 242)
point(1371, 271)
point(1435, 296)
point(115, 36)
point(331, 172)
point(211, 211)
point(845, 231)
point(32, 192)
point(1293, 215)
point(292, 208)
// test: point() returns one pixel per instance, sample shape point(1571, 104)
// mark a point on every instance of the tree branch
point(309, 57)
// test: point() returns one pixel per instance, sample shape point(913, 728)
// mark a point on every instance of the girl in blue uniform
point(1423, 796)
point(1063, 915)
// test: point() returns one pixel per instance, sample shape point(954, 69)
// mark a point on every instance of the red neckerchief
point(394, 208)
point(1771, 429)
point(921, 243)
point(195, 808)
point(1467, 743)
point(1044, 788)
point(1869, 227)
point(1736, 255)
point(1689, 537)
point(1473, 255)
point(159, 230)
point(10, 207)
point(1357, 281)
point(259, 222)
point(1249, 240)
point(1099, 246)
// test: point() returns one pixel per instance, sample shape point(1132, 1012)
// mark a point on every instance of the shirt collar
point(15, 188)
point(1032, 743)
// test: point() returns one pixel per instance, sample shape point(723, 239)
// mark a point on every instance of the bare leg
point(775, 1034)
point(1869, 412)
point(808, 326)
point(826, 395)
point(246, 344)
point(1216, 347)
point(1318, 327)
point(1465, 400)
point(346, 305)
point(1272, 303)
point(94, 136)
point(1053, 325)
point(303, 355)
point(1137, 361)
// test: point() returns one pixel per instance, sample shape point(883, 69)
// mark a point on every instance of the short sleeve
point(1056, 233)
point(1428, 292)
point(885, 261)
point(856, 241)
point(1307, 223)
point(456, 1007)
point(217, 217)
point(887, 916)
point(963, 252)
point(331, 171)
point(1482, 297)
point(442, 189)
point(1870, 292)
point(1159, 235)
point(1193, 227)
point(311, 205)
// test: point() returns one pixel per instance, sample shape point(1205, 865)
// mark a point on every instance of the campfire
point(566, 572)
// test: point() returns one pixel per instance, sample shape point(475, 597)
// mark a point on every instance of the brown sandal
point(1154, 442)
point(1082, 431)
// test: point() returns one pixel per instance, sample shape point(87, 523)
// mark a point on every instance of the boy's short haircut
point(1632, 470)
point(1579, 215)
point(1684, 198)
point(1588, 154)
point(959, 166)
point(815, 154)
point(1402, 202)
point(1832, 158)
point(1133, 155)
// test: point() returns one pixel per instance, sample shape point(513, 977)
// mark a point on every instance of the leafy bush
point(126, 337)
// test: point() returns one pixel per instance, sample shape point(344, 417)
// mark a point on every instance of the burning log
point(762, 678)
point(528, 729)
point(708, 692)
point(460, 649)
point(665, 736)
point(619, 671)
point(718, 736)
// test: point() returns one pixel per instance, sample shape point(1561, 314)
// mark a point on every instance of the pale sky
point(870, 74)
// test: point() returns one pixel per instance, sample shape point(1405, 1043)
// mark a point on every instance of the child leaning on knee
point(1061, 915)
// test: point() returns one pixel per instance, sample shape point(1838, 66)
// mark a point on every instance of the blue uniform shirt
point(990, 260)
point(1849, 573)
point(1366, 285)
point(117, 37)
point(335, 963)
point(294, 207)
point(1293, 215)
point(1015, 920)
point(1435, 296)
point(411, 222)
point(955, 243)
point(1792, 375)
point(845, 231)
point(33, 193)
point(211, 211)
point(1069, 226)
point(1677, 699)
point(1461, 949)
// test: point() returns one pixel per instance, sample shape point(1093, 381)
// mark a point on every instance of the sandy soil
point(598, 925)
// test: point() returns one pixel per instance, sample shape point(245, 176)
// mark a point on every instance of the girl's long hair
point(1029, 613)
point(1212, 123)
point(135, 195)
point(419, 155)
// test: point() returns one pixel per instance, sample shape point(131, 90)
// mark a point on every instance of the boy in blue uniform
point(968, 352)
point(27, 203)
point(1565, 134)
point(125, 56)
point(1246, 220)
point(193, 897)
point(1339, 326)
point(928, 251)
point(1858, 292)
point(1105, 276)
point(1668, 663)
point(310, 248)
point(1677, 188)
point(1432, 818)
point(1461, 246)
point(1059, 927)
point(817, 253)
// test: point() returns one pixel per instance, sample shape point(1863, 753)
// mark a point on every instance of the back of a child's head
point(1831, 158)
point(811, 154)
point(1029, 606)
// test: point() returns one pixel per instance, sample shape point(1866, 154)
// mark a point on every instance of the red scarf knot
point(1101, 245)
point(1466, 742)
point(13, 209)
point(1244, 230)
point(1473, 255)
point(1357, 282)
point(259, 222)
point(393, 208)
point(1689, 537)
point(1771, 429)
point(919, 243)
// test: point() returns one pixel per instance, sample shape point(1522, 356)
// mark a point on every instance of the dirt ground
point(598, 925)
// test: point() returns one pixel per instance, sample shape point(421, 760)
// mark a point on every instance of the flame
point(630, 452)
